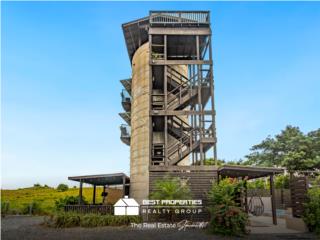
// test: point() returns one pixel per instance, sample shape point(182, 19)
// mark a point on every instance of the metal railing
point(101, 209)
point(179, 17)
point(125, 96)
point(125, 131)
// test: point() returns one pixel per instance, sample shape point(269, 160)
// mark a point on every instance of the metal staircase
point(182, 92)
point(188, 139)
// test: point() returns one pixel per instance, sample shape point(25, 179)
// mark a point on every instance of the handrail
point(179, 17)
point(187, 139)
point(125, 130)
point(183, 85)
point(125, 96)
point(181, 123)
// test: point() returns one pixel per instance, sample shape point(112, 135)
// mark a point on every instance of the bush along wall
point(311, 214)
point(227, 217)
point(65, 220)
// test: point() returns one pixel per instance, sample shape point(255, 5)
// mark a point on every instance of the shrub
point(64, 220)
point(257, 184)
point(311, 214)
point(227, 218)
point(171, 188)
point(33, 208)
point(282, 181)
point(5, 208)
point(62, 187)
point(68, 200)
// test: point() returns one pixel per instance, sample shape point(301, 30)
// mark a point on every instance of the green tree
point(171, 188)
point(291, 149)
point(311, 215)
point(211, 161)
point(62, 187)
point(227, 217)
point(257, 184)
point(282, 181)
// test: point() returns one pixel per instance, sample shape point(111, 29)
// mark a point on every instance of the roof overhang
point(236, 171)
point(135, 34)
point(102, 179)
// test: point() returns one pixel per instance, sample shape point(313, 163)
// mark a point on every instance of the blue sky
point(62, 62)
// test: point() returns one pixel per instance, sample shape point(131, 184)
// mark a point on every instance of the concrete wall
point(140, 121)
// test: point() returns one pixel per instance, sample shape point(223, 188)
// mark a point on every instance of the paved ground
point(263, 224)
point(24, 227)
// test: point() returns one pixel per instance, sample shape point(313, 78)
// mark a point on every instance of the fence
point(298, 186)
point(101, 209)
point(282, 196)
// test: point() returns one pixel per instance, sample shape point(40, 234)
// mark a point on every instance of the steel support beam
point(94, 195)
point(179, 31)
point(273, 201)
point(80, 193)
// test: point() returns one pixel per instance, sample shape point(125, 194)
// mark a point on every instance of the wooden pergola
point(102, 180)
point(247, 173)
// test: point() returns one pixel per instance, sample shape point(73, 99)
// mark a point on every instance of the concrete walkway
point(263, 224)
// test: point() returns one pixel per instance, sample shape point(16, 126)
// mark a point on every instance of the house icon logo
point(126, 206)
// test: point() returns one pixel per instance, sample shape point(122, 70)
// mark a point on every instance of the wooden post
point(123, 186)
point(104, 192)
point(273, 201)
point(165, 92)
point(80, 192)
point(94, 195)
point(246, 195)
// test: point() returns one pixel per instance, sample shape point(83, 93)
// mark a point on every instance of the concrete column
point(140, 122)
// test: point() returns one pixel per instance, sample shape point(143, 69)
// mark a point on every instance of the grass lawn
point(20, 198)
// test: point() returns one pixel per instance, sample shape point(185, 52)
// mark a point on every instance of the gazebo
point(247, 173)
point(103, 180)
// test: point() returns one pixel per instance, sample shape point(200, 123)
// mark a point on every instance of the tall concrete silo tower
point(169, 101)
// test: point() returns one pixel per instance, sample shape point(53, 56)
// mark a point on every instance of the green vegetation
point(291, 149)
point(227, 218)
point(68, 200)
point(64, 220)
point(43, 199)
point(259, 183)
point(312, 210)
point(62, 187)
point(171, 188)
point(280, 181)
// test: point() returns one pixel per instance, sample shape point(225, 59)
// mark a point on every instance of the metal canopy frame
point(248, 173)
point(101, 180)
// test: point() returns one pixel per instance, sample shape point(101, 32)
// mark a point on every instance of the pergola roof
point(102, 179)
point(246, 171)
